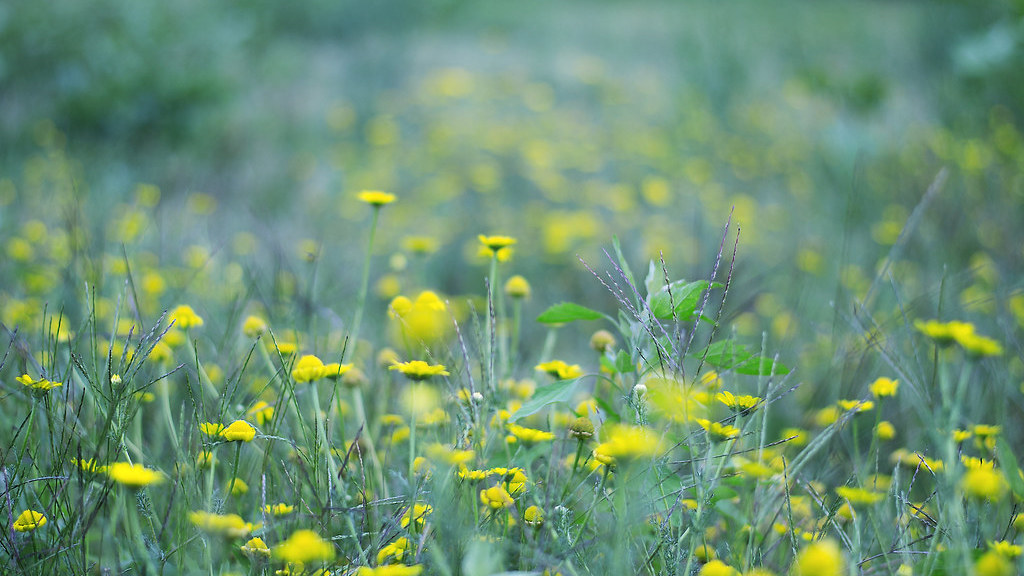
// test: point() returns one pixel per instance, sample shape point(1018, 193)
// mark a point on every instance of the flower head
point(627, 443)
point(40, 385)
point(256, 547)
point(823, 558)
point(185, 317)
point(376, 198)
point(395, 550)
point(533, 516)
point(229, 525)
point(717, 430)
point(496, 497)
point(254, 326)
point(529, 435)
point(984, 483)
point(279, 509)
point(308, 368)
point(738, 403)
point(884, 387)
point(560, 369)
point(496, 243)
point(391, 570)
point(419, 370)
point(517, 287)
point(418, 514)
point(28, 520)
point(238, 431)
point(133, 475)
point(304, 546)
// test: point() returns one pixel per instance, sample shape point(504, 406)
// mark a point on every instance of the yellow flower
point(450, 456)
point(496, 243)
point(885, 430)
point(798, 435)
point(308, 368)
point(496, 497)
point(581, 428)
point(133, 475)
point(738, 403)
point(279, 509)
point(983, 484)
point(211, 429)
point(417, 513)
point(304, 546)
point(860, 496)
point(533, 516)
point(420, 244)
point(376, 198)
point(262, 411)
point(602, 340)
point(238, 431)
point(256, 547)
point(884, 387)
point(89, 465)
point(628, 442)
point(395, 550)
point(529, 435)
point(517, 287)
point(1005, 549)
point(254, 326)
point(856, 405)
point(823, 558)
point(41, 385)
point(333, 370)
point(28, 520)
point(185, 317)
point(718, 568)
point(391, 570)
point(992, 563)
point(425, 320)
point(229, 525)
point(560, 369)
point(717, 430)
point(977, 345)
point(238, 487)
point(419, 370)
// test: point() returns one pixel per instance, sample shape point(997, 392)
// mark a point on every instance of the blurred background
point(222, 143)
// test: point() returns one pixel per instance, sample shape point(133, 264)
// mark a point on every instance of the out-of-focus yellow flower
point(992, 563)
point(230, 525)
point(625, 442)
point(496, 497)
point(304, 546)
point(133, 475)
point(254, 326)
point(420, 244)
point(517, 287)
point(822, 558)
point(418, 514)
point(394, 551)
point(28, 521)
point(1005, 549)
point(984, 484)
point(560, 369)
point(857, 406)
point(424, 320)
point(451, 456)
point(376, 198)
point(860, 496)
point(533, 516)
point(718, 568)
point(529, 435)
point(211, 428)
point(256, 547)
point(238, 487)
point(496, 243)
point(184, 317)
point(391, 570)
point(885, 430)
point(717, 430)
point(238, 431)
point(89, 465)
point(884, 387)
point(419, 370)
point(262, 411)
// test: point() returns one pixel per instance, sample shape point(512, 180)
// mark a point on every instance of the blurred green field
point(845, 170)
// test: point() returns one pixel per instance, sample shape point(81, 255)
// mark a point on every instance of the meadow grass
point(751, 307)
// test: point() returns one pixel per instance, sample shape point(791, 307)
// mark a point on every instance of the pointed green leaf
point(728, 355)
point(1008, 462)
point(560, 391)
point(567, 312)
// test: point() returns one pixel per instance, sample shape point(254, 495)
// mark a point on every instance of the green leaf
point(567, 312)
point(607, 365)
point(729, 355)
point(683, 302)
point(560, 391)
point(623, 363)
point(1008, 462)
point(722, 493)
